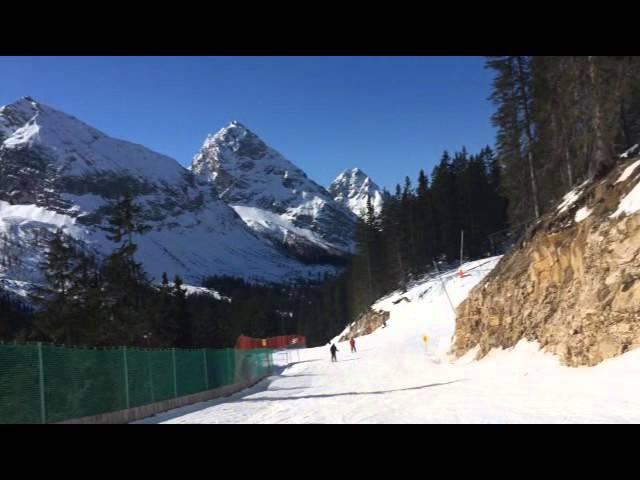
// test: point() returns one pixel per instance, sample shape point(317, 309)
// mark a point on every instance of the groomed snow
point(393, 378)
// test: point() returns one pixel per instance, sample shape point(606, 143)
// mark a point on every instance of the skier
point(334, 349)
point(352, 342)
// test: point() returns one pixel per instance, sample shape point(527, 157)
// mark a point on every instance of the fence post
point(153, 397)
point(227, 367)
point(43, 410)
point(126, 376)
point(444, 287)
point(206, 374)
point(175, 375)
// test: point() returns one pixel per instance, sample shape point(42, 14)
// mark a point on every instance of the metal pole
point(206, 374)
point(461, 245)
point(43, 410)
point(175, 375)
point(444, 287)
point(227, 366)
point(126, 376)
point(153, 397)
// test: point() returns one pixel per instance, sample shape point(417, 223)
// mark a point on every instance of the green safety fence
point(46, 384)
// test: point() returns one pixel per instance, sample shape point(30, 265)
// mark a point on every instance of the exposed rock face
point(573, 284)
point(366, 323)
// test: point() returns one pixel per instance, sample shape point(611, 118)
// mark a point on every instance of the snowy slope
point(193, 290)
point(77, 148)
point(253, 176)
point(393, 378)
point(56, 171)
point(352, 188)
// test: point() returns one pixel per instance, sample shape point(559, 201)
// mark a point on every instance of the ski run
point(395, 378)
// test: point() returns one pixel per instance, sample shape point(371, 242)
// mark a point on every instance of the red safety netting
point(283, 341)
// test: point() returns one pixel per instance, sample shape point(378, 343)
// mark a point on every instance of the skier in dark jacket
point(352, 342)
point(334, 349)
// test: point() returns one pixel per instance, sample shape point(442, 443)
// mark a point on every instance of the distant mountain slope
point(274, 197)
point(56, 171)
point(352, 188)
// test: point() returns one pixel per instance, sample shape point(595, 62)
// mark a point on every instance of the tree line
point(560, 120)
point(89, 301)
point(419, 226)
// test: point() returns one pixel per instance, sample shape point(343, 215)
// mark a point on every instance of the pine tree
point(125, 221)
point(58, 265)
point(183, 317)
point(425, 227)
point(561, 118)
point(126, 287)
point(54, 322)
point(16, 320)
point(516, 134)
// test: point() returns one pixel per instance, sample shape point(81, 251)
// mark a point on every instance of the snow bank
point(627, 172)
point(581, 214)
point(193, 290)
point(630, 204)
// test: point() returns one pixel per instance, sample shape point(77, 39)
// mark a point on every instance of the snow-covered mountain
point(352, 188)
point(273, 196)
point(56, 171)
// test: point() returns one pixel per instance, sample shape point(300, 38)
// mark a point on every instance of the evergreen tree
point(516, 133)
point(125, 221)
point(59, 266)
point(126, 287)
point(16, 320)
point(446, 208)
point(425, 227)
point(182, 314)
point(561, 118)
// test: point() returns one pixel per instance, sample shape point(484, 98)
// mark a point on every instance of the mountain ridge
point(260, 184)
point(57, 171)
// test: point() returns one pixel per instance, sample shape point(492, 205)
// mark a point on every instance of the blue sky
point(390, 116)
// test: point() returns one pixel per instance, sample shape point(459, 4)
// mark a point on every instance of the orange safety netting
point(283, 341)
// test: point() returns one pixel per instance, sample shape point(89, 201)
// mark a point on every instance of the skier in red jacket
point(352, 342)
